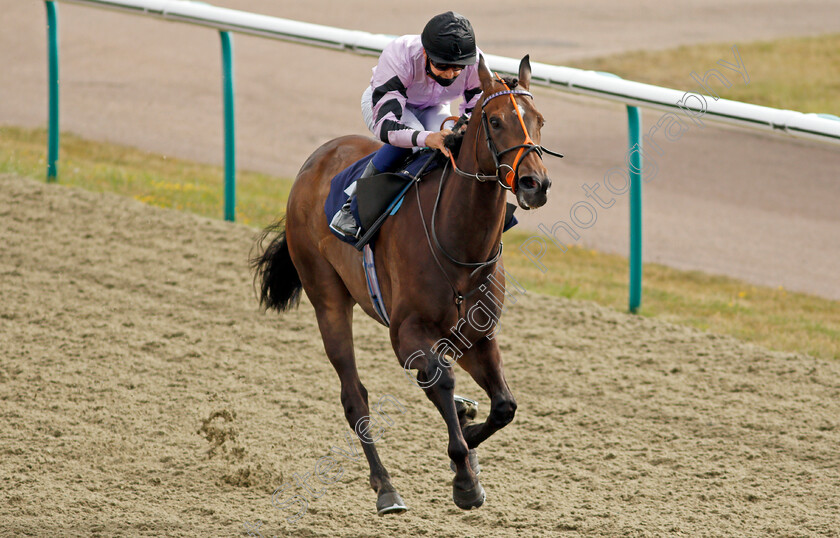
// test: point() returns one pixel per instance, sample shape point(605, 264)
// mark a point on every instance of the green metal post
point(634, 121)
point(634, 163)
point(230, 134)
point(52, 53)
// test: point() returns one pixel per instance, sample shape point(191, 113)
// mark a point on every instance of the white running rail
point(788, 122)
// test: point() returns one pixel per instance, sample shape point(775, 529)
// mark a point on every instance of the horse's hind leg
point(334, 310)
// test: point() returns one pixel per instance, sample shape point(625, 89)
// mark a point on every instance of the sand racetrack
point(126, 327)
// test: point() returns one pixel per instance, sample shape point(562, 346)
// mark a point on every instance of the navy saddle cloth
point(395, 181)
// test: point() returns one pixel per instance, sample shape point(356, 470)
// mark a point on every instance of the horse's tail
point(274, 271)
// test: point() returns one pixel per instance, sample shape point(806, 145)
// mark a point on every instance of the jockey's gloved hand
point(453, 141)
point(436, 141)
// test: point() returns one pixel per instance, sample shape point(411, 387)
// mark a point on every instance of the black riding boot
point(343, 221)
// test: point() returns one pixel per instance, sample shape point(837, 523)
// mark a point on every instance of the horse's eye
point(495, 123)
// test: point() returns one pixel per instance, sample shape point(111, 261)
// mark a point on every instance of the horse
point(426, 288)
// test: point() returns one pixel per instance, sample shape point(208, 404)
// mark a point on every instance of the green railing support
point(634, 165)
point(52, 54)
point(634, 123)
point(230, 132)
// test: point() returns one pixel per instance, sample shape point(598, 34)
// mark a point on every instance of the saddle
point(377, 196)
point(380, 196)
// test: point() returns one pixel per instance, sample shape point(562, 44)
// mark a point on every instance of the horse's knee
point(442, 376)
point(354, 400)
point(502, 412)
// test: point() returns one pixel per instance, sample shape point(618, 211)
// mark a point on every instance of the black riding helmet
point(449, 39)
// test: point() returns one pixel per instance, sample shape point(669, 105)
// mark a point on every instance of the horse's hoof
point(466, 406)
point(390, 502)
point(473, 462)
point(469, 499)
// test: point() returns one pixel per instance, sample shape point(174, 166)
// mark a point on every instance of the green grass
point(152, 179)
point(799, 73)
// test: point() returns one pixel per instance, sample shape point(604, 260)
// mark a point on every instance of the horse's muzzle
point(533, 191)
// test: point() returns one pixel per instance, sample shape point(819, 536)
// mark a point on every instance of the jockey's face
point(446, 71)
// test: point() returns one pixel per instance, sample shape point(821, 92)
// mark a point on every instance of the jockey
point(413, 84)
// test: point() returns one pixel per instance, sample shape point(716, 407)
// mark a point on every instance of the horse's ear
point(525, 72)
point(484, 74)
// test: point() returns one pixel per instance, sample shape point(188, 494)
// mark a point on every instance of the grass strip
point(152, 179)
point(796, 73)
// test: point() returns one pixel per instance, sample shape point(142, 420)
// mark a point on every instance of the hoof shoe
point(466, 406)
point(390, 503)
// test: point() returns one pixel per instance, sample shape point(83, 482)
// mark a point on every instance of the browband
point(508, 92)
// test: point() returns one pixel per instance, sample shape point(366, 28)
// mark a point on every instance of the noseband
point(511, 178)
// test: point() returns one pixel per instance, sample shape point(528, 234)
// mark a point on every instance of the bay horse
point(426, 289)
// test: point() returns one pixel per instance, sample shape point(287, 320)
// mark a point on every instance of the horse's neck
point(471, 213)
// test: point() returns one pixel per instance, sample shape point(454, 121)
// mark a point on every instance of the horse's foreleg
point(438, 381)
point(484, 363)
point(335, 323)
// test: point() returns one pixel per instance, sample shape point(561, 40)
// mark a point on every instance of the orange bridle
point(510, 179)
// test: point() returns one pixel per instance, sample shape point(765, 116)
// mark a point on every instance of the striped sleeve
point(472, 92)
point(389, 99)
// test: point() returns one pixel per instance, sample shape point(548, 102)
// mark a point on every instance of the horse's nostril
point(528, 183)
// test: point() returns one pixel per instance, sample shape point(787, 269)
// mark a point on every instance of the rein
point(459, 297)
point(508, 182)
